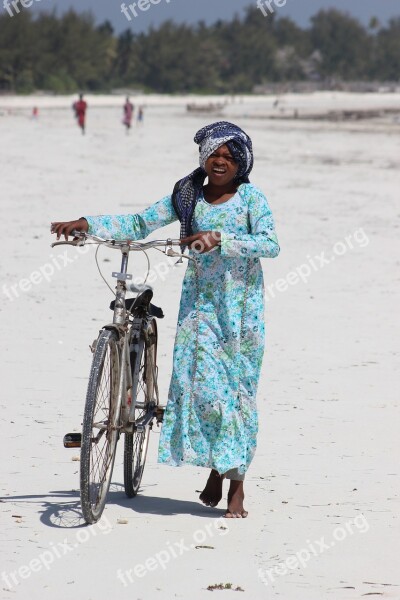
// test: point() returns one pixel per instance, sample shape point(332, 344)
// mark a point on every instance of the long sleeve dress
point(211, 415)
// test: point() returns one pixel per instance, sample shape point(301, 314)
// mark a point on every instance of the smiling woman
point(211, 416)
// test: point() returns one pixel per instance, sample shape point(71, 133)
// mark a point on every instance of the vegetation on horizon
point(63, 54)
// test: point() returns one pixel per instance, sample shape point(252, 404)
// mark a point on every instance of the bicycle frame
point(135, 331)
point(135, 334)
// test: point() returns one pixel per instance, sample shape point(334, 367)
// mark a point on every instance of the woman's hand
point(203, 241)
point(66, 227)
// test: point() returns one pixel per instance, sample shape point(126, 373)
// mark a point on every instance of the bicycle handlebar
point(80, 238)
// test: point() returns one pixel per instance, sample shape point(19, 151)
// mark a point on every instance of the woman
point(211, 415)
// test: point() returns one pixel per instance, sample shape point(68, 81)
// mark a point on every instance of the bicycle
point(122, 394)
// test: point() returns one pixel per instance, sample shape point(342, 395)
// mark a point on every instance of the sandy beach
point(323, 490)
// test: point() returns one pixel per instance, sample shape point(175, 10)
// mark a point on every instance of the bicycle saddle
point(142, 301)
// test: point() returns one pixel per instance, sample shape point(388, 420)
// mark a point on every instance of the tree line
point(71, 52)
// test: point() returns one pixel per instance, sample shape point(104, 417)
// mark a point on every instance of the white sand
point(328, 443)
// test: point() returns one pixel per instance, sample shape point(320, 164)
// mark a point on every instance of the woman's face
point(221, 167)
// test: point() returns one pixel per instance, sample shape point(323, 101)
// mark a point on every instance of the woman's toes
point(236, 515)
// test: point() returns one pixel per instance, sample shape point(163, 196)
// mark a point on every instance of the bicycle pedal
point(160, 414)
point(72, 440)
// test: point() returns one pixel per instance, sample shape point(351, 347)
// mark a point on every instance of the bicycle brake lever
point(79, 239)
point(170, 252)
point(73, 243)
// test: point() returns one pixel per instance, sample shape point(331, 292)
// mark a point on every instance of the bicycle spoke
point(99, 435)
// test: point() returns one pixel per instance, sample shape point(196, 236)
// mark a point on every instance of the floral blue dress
point(211, 416)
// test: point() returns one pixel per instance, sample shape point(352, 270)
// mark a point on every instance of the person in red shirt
point(128, 114)
point(80, 112)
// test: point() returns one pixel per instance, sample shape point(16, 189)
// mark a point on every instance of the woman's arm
point(262, 240)
point(133, 227)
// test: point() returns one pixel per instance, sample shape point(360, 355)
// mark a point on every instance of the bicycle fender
point(113, 327)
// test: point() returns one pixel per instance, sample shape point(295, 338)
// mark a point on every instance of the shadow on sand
point(61, 509)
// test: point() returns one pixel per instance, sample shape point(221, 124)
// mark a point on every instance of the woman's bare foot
point(212, 493)
point(235, 508)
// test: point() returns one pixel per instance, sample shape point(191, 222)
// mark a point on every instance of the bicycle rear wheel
point(143, 364)
point(100, 427)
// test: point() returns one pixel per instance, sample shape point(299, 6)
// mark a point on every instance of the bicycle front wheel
point(143, 364)
point(100, 427)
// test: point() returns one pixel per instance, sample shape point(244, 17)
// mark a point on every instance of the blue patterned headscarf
point(187, 190)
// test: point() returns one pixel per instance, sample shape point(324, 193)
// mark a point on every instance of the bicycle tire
point(100, 432)
point(136, 443)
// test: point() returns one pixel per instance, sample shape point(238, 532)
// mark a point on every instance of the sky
point(211, 10)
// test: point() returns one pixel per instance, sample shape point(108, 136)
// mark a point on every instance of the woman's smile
point(219, 171)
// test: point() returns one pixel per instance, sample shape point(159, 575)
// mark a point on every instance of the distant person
point(80, 107)
point(129, 110)
point(140, 116)
point(35, 113)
